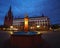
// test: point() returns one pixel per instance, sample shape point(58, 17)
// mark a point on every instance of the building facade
point(34, 23)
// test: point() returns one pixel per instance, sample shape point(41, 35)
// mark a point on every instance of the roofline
point(33, 17)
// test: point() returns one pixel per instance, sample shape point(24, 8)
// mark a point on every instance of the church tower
point(8, 18)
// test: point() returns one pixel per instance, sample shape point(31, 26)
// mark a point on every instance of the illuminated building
point(34, 23)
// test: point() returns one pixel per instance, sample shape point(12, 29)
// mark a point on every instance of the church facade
point(8, 21)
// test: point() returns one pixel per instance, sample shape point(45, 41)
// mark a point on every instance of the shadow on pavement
point(25, 41)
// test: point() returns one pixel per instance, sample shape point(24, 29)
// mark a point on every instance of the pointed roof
point(9, 10)
point(42, 14)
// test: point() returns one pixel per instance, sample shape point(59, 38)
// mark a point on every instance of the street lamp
point(11, 27)
point(10, 32)
point(38, 32)
point(38, 26)
point(31, 27)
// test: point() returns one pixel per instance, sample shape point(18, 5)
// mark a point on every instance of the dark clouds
point(50, 8)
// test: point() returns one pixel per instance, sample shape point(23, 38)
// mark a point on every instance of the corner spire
point(42, 14)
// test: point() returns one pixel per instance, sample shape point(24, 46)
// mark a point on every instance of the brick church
point(8, 18)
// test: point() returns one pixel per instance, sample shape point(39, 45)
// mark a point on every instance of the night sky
point(50, 8)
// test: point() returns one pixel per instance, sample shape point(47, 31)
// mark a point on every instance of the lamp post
point(38, 27)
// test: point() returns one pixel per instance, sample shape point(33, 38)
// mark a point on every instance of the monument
point(26, 19)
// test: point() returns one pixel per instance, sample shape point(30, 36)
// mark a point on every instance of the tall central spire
point(9, 12)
